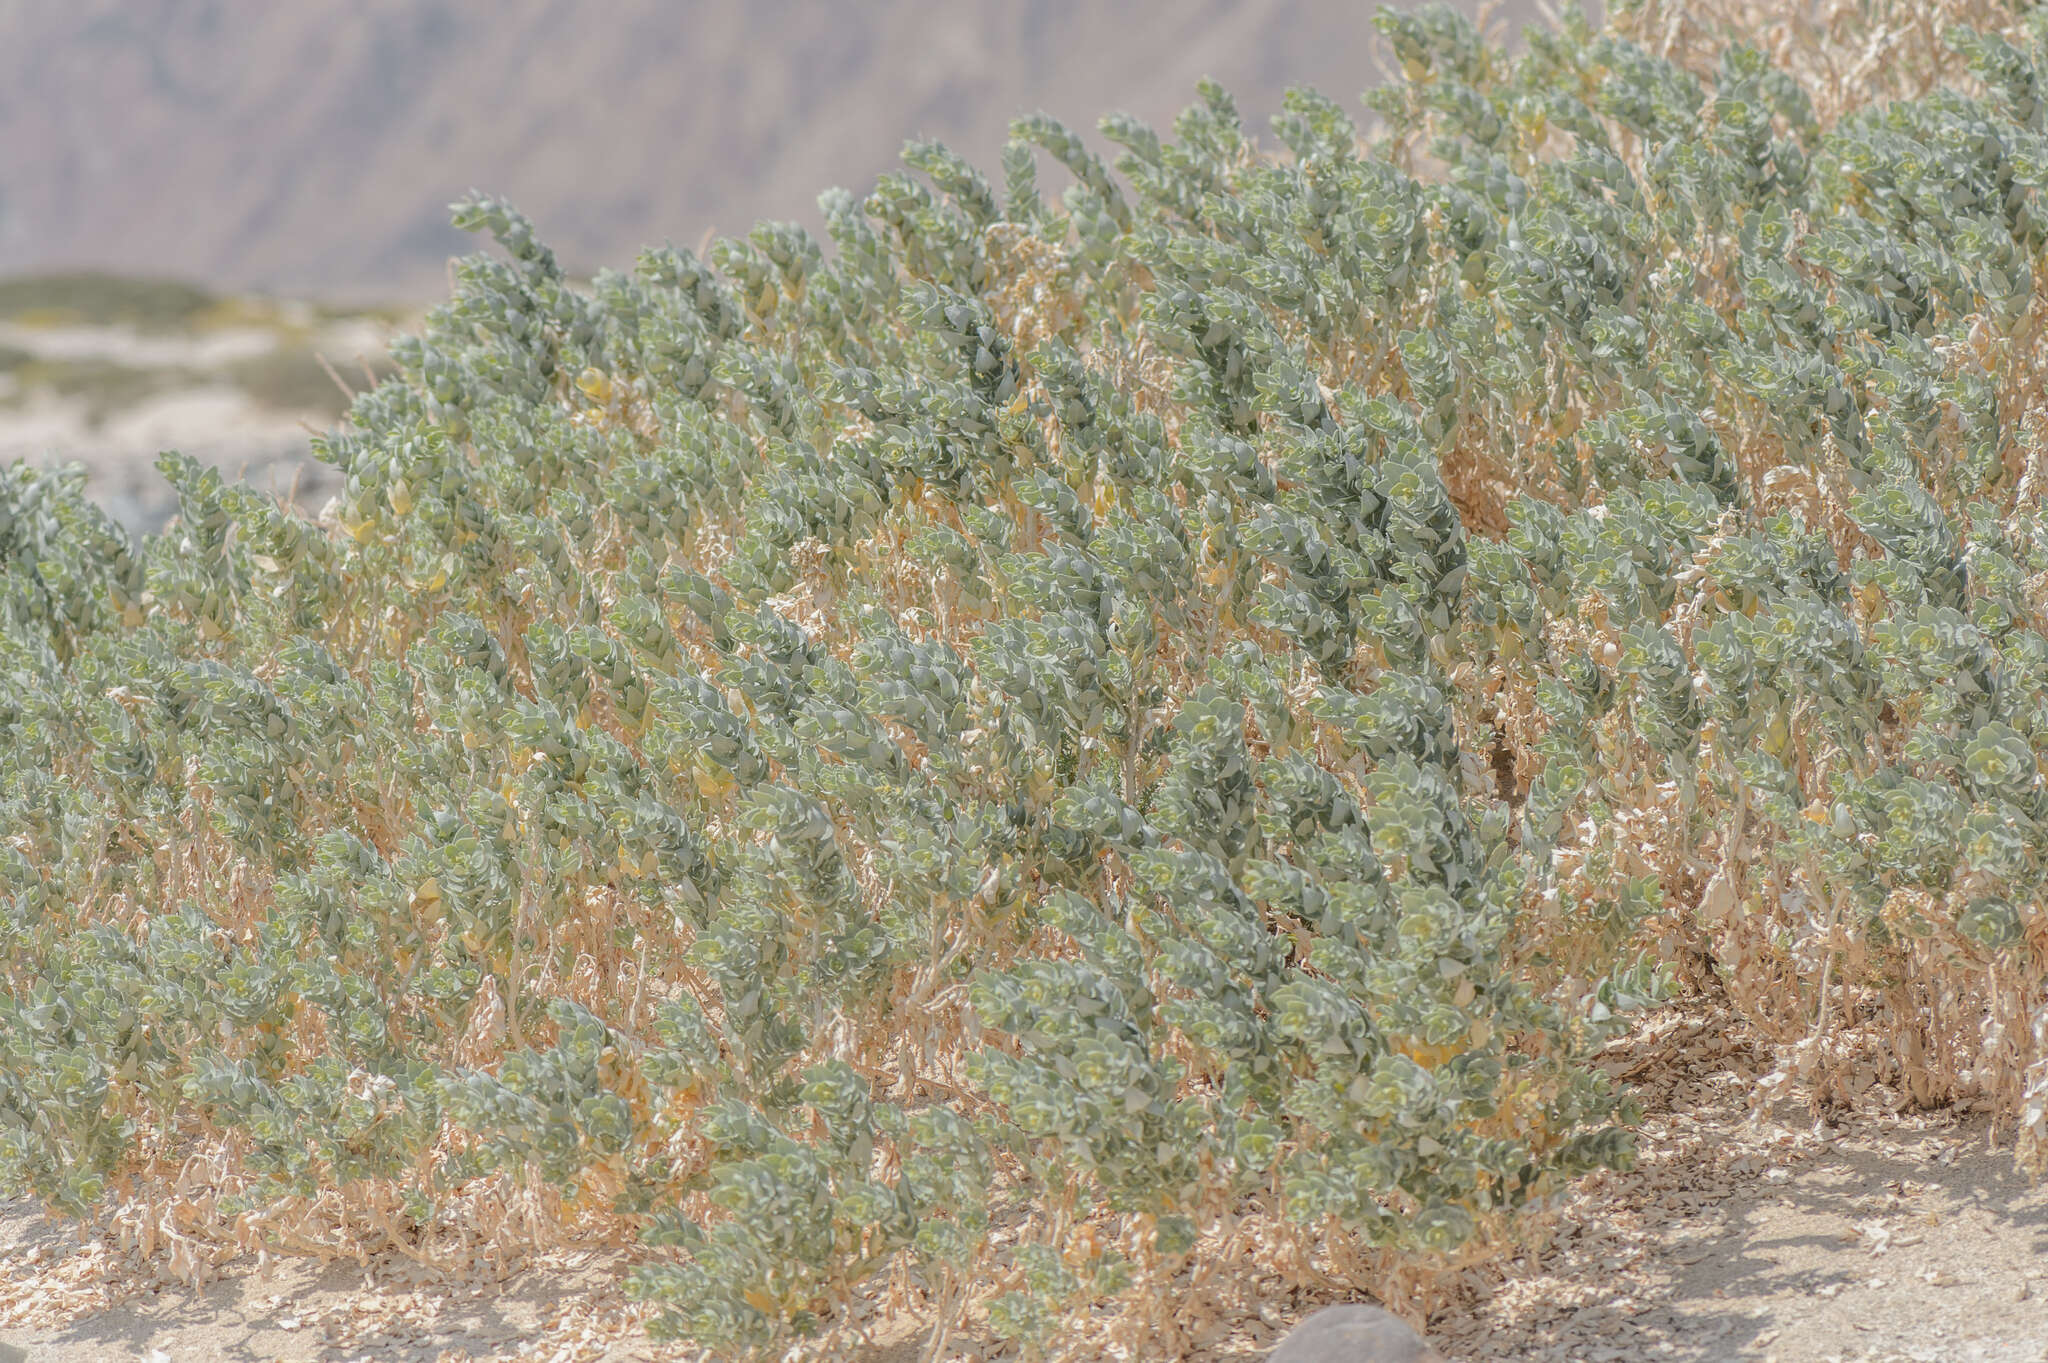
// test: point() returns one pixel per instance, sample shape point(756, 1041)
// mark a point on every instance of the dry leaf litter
point(1750, 1229)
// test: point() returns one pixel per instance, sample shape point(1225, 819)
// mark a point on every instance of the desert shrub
point(990, 757)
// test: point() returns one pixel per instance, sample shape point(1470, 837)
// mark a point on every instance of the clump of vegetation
point(94, 298)
point(1070, 738)
point(101, 387)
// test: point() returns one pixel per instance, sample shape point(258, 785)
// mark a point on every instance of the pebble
point(1353, 1334)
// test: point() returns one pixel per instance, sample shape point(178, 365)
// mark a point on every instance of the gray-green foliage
point(1048, 718)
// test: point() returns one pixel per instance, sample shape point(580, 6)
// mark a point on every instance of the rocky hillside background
point(312, 148)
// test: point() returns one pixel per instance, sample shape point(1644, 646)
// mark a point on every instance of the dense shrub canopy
point(977, 756)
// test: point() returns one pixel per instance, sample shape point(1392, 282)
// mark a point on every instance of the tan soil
point(1883, 1239)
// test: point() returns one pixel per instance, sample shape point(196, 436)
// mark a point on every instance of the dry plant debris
point(1870, 1237)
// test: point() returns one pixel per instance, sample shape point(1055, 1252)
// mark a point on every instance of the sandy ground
point(266, 449)
point(341, 340)
point(213, 421)
point(1883, 1239)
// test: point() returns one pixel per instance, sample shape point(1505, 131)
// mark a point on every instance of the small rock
point(13, 1353)
point(1353, 1334)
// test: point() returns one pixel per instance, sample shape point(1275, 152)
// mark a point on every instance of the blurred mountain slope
point(312, 147)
